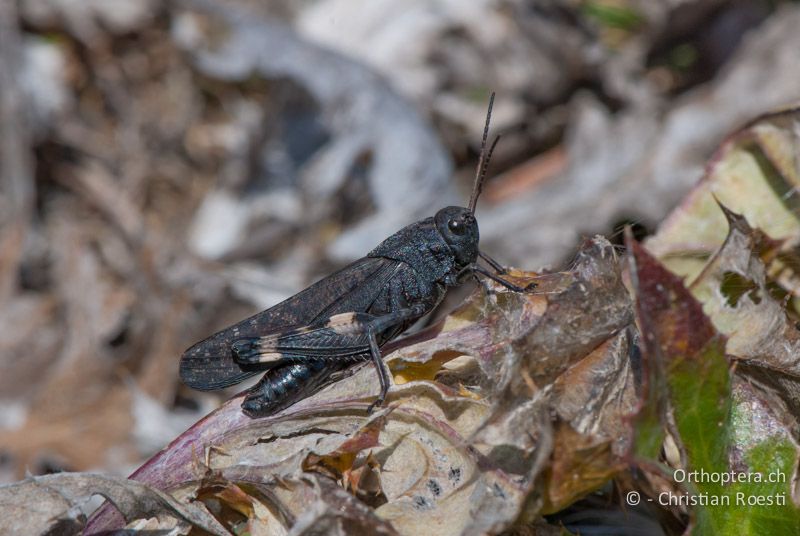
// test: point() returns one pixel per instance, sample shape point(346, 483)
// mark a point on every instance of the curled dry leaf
point(52, 504)
point(753, 173)
point(461, 447)
point(597, 394)
point(735, 294)
point(593, 401)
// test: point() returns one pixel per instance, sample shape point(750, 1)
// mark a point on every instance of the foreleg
point(508, 284)
point(498, 268)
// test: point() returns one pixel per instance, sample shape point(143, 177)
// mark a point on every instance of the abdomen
point(284, 385)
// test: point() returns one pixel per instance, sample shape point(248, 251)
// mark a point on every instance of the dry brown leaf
point(42, 504)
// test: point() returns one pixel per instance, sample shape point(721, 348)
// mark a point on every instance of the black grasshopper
point(347, 316)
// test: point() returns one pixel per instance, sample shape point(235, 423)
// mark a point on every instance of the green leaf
point(753, 173)
point(723, 426)
point(684, 363)
point(612, 16)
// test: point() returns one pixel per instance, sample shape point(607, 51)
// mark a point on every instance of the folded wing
point(210, 363)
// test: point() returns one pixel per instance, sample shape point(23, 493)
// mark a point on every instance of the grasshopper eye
point(457, 227)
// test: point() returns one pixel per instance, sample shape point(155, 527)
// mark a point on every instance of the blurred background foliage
point(168, 167)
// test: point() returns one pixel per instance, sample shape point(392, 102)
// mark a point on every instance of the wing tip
point(203, 370)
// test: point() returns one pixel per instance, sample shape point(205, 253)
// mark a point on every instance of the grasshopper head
point(459, 228)
point(458, 225)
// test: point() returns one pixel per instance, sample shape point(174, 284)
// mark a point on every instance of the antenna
point(483, 160)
